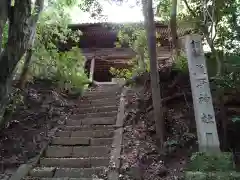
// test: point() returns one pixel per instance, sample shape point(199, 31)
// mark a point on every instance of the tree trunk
point(204, 29)
point(3, 19)
point(23, 76)
point(142, 55)
point(173, 27)
point(155, 82)
point(220, 91)
point(21, 26)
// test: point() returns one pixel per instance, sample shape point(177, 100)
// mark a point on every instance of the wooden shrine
point(98, 43)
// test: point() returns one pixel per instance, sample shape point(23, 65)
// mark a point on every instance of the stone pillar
point(203, 108)
point(92, 68)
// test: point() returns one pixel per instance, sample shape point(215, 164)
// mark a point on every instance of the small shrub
point(16, 99)
point(181, 63)
point(121, 73)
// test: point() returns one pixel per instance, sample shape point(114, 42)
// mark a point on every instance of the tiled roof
point(92, 23)
point(93, 30)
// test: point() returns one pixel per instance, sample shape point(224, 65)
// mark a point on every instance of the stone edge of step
point(88, 127)
point(86, 133)
point(92, 162)
point(24, 169)
point(64, 172)
point(114, 166)
point(38, 178)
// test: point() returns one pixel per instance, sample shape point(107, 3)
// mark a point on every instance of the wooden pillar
point(202, 99)
point(92, 68)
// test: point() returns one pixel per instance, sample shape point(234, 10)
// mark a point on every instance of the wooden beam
point(92, 68)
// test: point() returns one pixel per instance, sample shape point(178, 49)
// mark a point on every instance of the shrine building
point(98, 45)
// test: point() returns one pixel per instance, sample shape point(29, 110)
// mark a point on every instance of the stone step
point(89, 133)
point(86, 100)
point(89, 104)
point(80, 173)
point(93, 115)
point(101, 141)
point(104, 85)
point(99, 121)
point(84, 141)
point(74, 162)
point(92, 121)
point(54, 172)
point(64, 178)
point(77, 151)
point(70, 141)
point(100, 98)
point(94, 109)
point(101, 94)
point(88, 128)
point(104, 88)
point(100, 89)
point(42, 172)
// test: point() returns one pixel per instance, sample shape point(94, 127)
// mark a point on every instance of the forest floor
point(141, 158)
point(44, 108)
point(28, 129)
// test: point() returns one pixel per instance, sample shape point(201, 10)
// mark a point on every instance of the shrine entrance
point(99, 72)
point(98, 46)
point(100, 60)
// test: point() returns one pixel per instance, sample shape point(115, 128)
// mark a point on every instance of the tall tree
point(155, 80)
point(211, 19)
point(214, 19)
point(58, 9)
point(38, 8)
point(3, 18)
point(173, 27)
point(22, 22)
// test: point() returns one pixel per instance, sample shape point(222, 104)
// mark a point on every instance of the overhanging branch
point(38, 7)
point(189, 8)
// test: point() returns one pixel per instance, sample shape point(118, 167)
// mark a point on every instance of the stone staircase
point(85, 145)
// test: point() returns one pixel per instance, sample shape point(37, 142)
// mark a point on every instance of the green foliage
point(230, 79)
point(16, 99)
point(5, 35)
point(236, 119)
point(64, 67)
point(135, 37)
point(223, 29)
point(211, 166)
point(163, 9)
point(196, 175)
point(211, 162)
point(48, 62)
point(181, 63)
point(130, 33)
point(121, 73)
